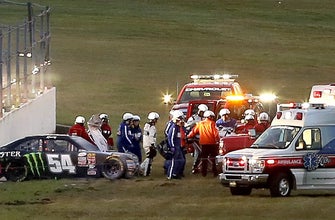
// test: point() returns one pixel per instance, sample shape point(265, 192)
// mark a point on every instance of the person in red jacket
point(208, 139)
point(264, 123)
point(106, 129)
point(78, 129)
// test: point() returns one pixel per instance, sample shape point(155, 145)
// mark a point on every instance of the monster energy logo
point(35, 162)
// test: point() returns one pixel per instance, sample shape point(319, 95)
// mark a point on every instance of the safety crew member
point(124, 138)
point(106, 130)
point(176, 134)
point(264, 123)
point(191, 122)
point(208, 139)
point(78, 129)
point(149, 142)
point(225, 121)
point(137, 137)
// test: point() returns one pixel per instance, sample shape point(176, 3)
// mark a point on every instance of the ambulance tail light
point(317, 94)
point(299, 116)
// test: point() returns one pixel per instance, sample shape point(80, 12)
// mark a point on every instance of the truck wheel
point(113, 168)
point(240, 191)
point(16, 172)
point(280, 185)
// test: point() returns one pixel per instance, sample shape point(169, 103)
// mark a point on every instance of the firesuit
point(136, 140)
point(176, 167)
point(209, 138)
point(149, 142)
point(79, 130)
point(124, 141)
point(107, 133)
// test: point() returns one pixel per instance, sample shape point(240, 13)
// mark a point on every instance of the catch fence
point(24, 56)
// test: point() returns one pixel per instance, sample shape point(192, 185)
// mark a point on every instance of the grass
point(117, 56)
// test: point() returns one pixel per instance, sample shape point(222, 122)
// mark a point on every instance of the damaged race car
point(58, 156)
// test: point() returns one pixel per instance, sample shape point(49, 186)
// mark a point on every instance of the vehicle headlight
point(257, 165)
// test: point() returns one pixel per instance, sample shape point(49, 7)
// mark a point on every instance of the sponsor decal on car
point(10, 154)
point(35, 162)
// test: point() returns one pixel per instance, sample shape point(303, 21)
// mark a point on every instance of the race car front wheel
point(113, 168)
point(16, 172)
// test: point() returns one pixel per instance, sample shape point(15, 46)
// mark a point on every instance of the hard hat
point(153, 115)
point(202, 107)
point(103, 116)
point(249, 117)
point(171, 112)
point(136, 118)
point(79, 120)
point(264, 116)
point(156, 115)
point(224, 111)
point(127, 116)
point(208, 114)
point(249, 112)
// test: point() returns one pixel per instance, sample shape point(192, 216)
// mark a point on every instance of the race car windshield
point(205, 94)
point(277, 137)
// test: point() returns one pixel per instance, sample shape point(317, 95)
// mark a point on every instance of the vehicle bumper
point(235, 180)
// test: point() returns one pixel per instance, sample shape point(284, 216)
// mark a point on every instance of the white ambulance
point(323, 94)
point(296, 152)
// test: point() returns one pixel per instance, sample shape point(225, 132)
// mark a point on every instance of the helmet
point(79, 120)
point(249, 112)
point(103, 116)
point(202, 108)
point(127, 116)
point(224, 111)
point(177, 115)
point(136, 118)
point(208, 114)
point(264, 116)
point(153, 115)
point(171, 112)
point(249, 117)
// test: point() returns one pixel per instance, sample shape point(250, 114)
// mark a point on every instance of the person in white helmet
point(250, 123)
point(78, 129)
point(225, 121)
point(209, 139)
point(94, 131)
point(264, 123)
point(137, 136)
point(106, 129)
point(149, 142)
point(195, 118)
point(124, 137)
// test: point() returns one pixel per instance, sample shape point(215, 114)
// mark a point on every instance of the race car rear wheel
point(240, 191)
point(113, 168)
point(16, 172)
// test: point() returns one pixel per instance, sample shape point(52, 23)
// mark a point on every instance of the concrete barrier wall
point(38, 116)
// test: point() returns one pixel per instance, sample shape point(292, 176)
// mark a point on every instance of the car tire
point(16, 172)
point(113, 168)
point(280, 185)
point(240, 191)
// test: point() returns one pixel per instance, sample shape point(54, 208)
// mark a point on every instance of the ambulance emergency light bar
point(214, 77)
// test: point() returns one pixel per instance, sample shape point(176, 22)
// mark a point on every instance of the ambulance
point(296, 152)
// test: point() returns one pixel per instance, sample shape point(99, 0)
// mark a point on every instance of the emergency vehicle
point(216, 90)
point(323, 94)
point(296, 152)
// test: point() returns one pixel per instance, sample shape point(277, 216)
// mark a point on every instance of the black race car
point(57, 156)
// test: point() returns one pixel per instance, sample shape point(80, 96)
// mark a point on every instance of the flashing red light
point(317, 94)
point(299, 116)
point(279, 114)
point(241, 162)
